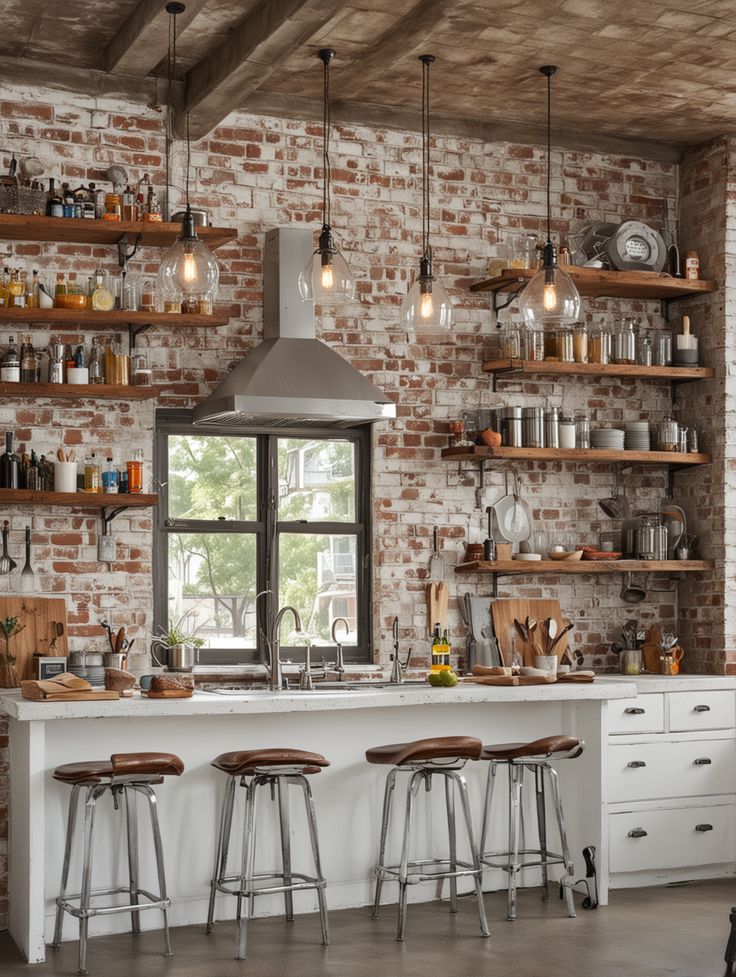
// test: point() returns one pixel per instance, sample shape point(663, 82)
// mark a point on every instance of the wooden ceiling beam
point(31, 74)
point(143, 38)
point(254, 50)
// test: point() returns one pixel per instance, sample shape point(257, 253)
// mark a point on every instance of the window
point(252, 512)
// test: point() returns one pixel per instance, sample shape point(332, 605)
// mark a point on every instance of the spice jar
point(580, 342)
point(692, 265)
point(535, 344)
point(511, 344)
point(600, 345)
point(567, 431)
point(113, 207)
point(135, 471)
point(625, 342)
point(565, 346)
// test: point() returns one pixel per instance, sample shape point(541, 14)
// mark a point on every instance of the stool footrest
point(156, 902)
point(414, 877)
point(552, 858)
point(307, 882)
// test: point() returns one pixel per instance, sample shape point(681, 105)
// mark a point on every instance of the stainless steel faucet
point(398, 668)
point(276, 674)
point(339, 668)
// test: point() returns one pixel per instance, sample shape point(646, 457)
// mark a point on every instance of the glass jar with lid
point(600, 344)
point(580, 342)
point(625, 341)
point(565, 345)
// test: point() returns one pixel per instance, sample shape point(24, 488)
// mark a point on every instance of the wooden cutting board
point(37, 613)
point(169, 694)
point(77, 696)
point(437, 600)
point(503, 613)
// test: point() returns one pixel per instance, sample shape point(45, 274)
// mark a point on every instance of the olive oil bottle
point(440, 651)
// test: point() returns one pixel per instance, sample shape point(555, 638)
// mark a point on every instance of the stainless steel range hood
point(292, 379)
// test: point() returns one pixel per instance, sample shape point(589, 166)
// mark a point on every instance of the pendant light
point(426, 309)
point(188, 272)
point(326, 277)
point(550, 298)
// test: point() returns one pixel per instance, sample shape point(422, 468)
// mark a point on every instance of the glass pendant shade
point(326, 277)
point(550, 299)
point(426, 309)
point(189, 267)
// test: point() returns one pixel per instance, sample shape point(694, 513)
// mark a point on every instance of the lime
point(434, 678)
point(448, 678)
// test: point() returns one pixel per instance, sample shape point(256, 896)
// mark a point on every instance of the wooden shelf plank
point(557, 368)
point(555, 567)
point(479, 453)
point(33, 227)
point(79, 391)
point(80, 500)
point(116, 319)
point(600, 283)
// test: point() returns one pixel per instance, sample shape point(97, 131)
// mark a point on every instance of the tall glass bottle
point(10, 366)
point(9, 465)
point(28, 363)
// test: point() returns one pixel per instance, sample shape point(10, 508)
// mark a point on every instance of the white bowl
point(528, 557)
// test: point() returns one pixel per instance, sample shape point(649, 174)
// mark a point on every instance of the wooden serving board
point(37, 613)
point(169, 694)
point(88, 694)
point(503, 613)
point(514, 680)
point(575, 677)
point(437, 599)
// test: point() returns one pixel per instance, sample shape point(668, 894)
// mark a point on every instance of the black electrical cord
point(326, 126)
point(549, 151)
point(425, 157)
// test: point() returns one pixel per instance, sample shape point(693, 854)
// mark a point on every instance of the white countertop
point(671, 683)
point(254, 702)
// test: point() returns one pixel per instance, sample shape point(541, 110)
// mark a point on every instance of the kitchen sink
point(319, 688)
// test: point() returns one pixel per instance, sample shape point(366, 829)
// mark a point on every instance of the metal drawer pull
point(703, 827)
point(701, 709)
point(636, 763)
point(634, 711)
point(637, 833)
point(702, 761)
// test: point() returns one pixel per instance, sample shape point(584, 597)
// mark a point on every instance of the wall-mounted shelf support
point(498, 306)
point(134, 332)
point(125, 255)
point(107, 515)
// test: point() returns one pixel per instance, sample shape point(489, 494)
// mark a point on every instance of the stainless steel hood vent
point(291, 379)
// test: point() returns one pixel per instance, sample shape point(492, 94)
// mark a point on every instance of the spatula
point(436, 562)
point(27, 576)
point(6, 564)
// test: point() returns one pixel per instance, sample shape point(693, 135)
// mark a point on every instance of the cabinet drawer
point(673, 838)
point(702, 710)
point(638, 714)
point(648, 771)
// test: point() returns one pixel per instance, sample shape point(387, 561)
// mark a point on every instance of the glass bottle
point(16, 290)
point(645, 356)
point(4, 295)
point(28, 363)
point(440, 651)
point(142, 374)
point(92, 478)
point(54, 205)
point(67, 200)
point(511, 343)
point(582, 429)
point(10, 366)
point(535, 344)
point(580, 342)
point(110, 477)
point(599, 346)
point(33, 291)
point(102, 298)
point(113, 207)
point(96, 363)
point(565, 346)
point(9, 465)
point(89, 205)
point(60, 290)
point(135, 471)
point(625, 341)
point(129, 205)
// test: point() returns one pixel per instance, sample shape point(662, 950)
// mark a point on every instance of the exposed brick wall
point(256, 173)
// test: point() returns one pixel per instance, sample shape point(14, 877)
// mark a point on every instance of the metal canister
point(552, 427)
point(533, 427)
point(511, 427)
point(660, 542)
point(692, 440)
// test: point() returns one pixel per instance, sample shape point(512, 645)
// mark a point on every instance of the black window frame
point(177, 421)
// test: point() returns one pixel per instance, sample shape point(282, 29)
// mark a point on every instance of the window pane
point(212, 587)
point(317, 576)
point(316, 480)
point(212, 477)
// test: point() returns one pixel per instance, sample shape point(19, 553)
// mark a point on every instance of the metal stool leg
point(414, 784)
point(488, 805)
point(246, 872)
point(569, 867)
point(283, 801)
point(131, 820)
point(515, 782)
point(463, 789)
point(84, 902)
point(158, 849)
point(387, 797)
point(542, 825)
point(450, 804)
point(314, 838)
point(221, 850)
point(70, 828)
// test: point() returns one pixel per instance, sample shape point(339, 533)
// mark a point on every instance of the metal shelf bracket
point(498, 306)
point(124, 254)
point(134, 332)
point(107, 515)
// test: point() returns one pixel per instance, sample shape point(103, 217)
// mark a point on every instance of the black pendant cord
point(549, 152)
point(173, 10)
point(326, 123)
point(189, 160)
point(426, 247)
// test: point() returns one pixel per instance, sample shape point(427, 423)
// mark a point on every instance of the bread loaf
point(118, 680)
point(159, 683)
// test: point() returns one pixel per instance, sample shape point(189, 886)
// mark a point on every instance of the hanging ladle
point(632, 594)
point(6, 564)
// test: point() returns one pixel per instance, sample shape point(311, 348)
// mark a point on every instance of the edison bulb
point(189, 270)
point(550, 297)
point(426, 307)
point(327, 279)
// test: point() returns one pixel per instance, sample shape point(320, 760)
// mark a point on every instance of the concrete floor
point(679, 931)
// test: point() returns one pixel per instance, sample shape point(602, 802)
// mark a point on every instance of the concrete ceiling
point(654, 74)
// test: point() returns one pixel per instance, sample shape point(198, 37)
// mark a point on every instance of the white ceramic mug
point(548, 663)
point(65, 476)
point(77, 374)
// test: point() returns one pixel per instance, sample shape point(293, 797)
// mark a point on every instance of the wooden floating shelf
point(480, 453)
point(557, 368)
point(599, 283)
point(117, 318)
point(555, 567)
point(79, 391)
point(34, 227)
point(77, 500)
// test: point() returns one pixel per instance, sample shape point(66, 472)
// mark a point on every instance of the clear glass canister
point(600, 345)
point(662, 351)
point(625, 341)
point(550, 344)
point(535, 344)
point(565, 346)
point(511, 343)
point(580, 342)
point(567, 431)
point(645, 357)
point(582, 429)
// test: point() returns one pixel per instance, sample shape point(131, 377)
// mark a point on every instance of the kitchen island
point(339, 723)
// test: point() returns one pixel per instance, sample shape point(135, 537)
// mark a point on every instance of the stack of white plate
point(607, 438)
point(637, 436)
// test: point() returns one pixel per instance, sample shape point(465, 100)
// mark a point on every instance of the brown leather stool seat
point(432, 748)
point(549, 748)
point(242, 763)
point(146, 765)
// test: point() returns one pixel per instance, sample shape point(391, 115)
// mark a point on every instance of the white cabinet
point(671, 786)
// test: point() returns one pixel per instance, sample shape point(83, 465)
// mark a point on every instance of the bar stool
point(124, 775)
point(519, 758)
point(424, 759)
point(277, 768)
